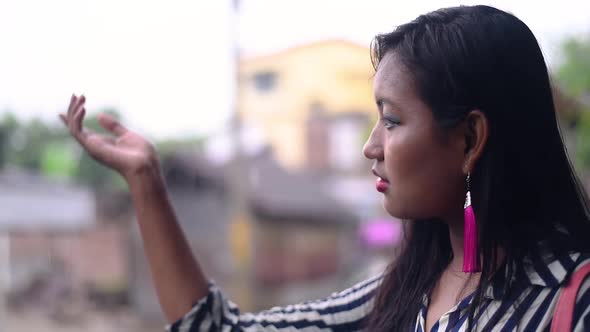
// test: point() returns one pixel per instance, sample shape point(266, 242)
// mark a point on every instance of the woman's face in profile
point(420, 165)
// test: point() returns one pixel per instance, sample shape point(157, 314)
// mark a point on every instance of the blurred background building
point(313, 103)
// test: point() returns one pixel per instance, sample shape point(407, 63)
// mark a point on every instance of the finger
point(63, 118)
point(65, 121)
point(75, 105)
point(73, 101)
point(78, 119)
point(109, 123)
point(78, 103)
point(100, 143)
point(101, 148)
point(82, 136)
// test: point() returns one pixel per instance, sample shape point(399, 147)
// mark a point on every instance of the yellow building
point(279, 94)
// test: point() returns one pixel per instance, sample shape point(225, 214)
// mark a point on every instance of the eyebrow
point(390, 102)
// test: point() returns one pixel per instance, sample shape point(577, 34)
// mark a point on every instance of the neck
point(456, 238)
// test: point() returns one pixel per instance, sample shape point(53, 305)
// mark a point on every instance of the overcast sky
point(168, 65)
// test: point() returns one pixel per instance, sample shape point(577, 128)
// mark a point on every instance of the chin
point(402, 211)
point(394, 210)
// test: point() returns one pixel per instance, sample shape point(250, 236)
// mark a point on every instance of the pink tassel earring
point(471, 262)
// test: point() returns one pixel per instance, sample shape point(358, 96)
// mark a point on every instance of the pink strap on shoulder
point(564, 313)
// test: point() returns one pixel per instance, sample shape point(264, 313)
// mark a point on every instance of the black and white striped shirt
point(529, 306)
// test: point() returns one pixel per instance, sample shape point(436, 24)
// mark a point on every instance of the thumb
point(111, 124)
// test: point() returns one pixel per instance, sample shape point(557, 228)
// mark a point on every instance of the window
point(345, 141)
point(265, 81)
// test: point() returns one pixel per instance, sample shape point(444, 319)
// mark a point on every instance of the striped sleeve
point(581, 319)
point(343, 311)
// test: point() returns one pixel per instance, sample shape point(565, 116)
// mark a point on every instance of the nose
point(373, 149)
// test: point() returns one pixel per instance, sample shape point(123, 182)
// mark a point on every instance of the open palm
point(124, 151)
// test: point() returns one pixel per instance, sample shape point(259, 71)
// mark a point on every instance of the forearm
point(344, 311)
point(177, 276)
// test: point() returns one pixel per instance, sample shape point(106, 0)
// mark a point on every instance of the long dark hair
point(524, 189)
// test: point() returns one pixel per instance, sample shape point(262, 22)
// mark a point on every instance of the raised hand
point(124, 151)
point(177, 276)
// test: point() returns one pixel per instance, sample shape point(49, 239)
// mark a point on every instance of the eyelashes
point(390, 123)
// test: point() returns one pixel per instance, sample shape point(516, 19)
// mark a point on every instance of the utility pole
point(242, 223)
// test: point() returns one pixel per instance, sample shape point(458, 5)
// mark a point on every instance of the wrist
point(148, 174)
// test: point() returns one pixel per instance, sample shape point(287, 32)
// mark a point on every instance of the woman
point(465, 111)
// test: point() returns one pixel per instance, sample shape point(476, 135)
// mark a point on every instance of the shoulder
point(364, 287)
point(581, 312)
point(583, 259)
point(359, 293)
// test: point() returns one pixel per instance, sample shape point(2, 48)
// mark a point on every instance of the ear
point(476, 136)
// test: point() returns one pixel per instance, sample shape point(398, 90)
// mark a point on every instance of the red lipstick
point(381, 185)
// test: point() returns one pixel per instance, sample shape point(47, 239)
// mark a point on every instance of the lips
point(382, 184)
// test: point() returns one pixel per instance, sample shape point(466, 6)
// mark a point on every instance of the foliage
point(169, 146)
point(47, 148)
point(583, 141)
point(574, 77)
point(574, 72)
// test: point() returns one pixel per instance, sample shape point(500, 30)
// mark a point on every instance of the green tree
point(23, 143)
point(168, 147)
point(583, 139)
point(574, 72)
point(47, 148)
point(8, 126)
point(574, 76)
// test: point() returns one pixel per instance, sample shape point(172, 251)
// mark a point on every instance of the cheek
point(425, 178)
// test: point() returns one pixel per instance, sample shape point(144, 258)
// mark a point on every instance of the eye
point(389, 123)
